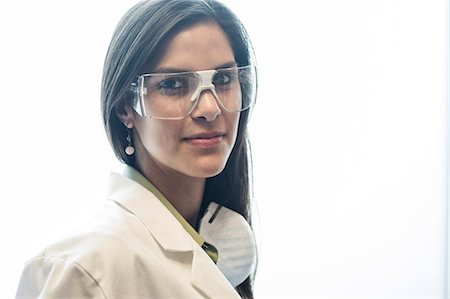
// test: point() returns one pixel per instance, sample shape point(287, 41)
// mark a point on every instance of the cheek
point(234, 123)
point(159, 138)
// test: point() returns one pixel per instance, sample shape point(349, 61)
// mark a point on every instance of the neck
point(183, 192)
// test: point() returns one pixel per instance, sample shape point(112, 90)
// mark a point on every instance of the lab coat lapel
point(208, 279)
point(156, 218)
point(170, 234)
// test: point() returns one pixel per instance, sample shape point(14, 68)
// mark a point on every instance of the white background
point(350, 140)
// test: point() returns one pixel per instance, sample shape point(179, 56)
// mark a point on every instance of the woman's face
point(200, 144)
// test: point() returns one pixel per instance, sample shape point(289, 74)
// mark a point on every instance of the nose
point(207, 106)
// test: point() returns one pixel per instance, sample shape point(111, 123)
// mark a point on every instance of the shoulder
point(102, 257)
point(53, 277)
point(112, 234)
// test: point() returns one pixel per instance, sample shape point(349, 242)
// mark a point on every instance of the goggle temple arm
point(138, 103)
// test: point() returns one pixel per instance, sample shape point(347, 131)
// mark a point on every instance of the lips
point(205, 139)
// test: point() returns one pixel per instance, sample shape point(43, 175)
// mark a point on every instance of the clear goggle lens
point(175, 95)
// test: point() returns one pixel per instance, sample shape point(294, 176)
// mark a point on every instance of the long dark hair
point(135, 44)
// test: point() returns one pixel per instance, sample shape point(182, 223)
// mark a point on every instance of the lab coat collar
point(170, 234)
point(139, 201)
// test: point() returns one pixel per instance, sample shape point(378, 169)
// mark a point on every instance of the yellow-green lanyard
point(136, 176)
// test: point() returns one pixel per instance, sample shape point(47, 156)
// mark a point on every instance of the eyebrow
point(166, 70)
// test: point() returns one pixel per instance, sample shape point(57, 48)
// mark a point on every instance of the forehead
point(200, 46)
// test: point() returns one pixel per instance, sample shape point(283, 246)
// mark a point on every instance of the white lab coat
point(133, 248)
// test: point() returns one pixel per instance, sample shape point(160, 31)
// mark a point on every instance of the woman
point(177, 88)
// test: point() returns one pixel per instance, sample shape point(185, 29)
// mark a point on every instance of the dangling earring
point(129, 150)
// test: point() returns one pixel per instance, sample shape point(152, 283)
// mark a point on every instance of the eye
point(173, 86)
point(171, 83)
point(222, 78)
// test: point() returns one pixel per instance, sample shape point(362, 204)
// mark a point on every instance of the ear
point(126, 115)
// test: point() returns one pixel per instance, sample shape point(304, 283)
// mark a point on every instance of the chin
point(208, 169)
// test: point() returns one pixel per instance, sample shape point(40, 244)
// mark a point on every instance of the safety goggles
point(174, 96)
